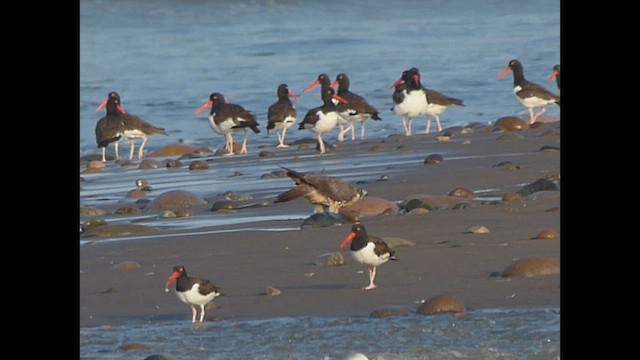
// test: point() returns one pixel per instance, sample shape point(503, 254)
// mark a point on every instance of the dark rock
point(546, 184)
point(126, 210)
point(418, 211)
point(441, 304)
point(377, 148)
point(147, 164)
point(92, 223)
point(549, 148)
point(198, 165)
point(90, 211)
point(266, 153)
point(158, 357)
point(305, 141)
point(384, 177)
point(512, 123)
point(189, 156)
point(135, 193)
point(81, 179)
point(391, 311)
point(508, 165)
point(323, 220)
point(462, 205)
point(176, 199)
point(536, 266)
point(231, 195)
point(414, 204)
point(173, 164)
point(452, 131)
point(434, 159)
point(224, 205)
point(172, 150)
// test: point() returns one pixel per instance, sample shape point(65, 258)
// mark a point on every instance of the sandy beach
point(445, 259)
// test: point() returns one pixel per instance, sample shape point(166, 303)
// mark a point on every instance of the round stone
point(126, 210)
point(548, 234)
point(535, 266)
point(511, 196)
point(377, 148)
point(481, 229)
point(176, 199)
point(512, 123)
point(434, 159)
point(173, 164)
point(90, 211)
point(198, 165)
point(463, 193)
point(224, 205)
point(441, 304)
point(271, 291)
point(147, 164)
point(266, 153)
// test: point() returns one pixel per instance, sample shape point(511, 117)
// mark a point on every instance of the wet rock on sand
point(271, 291)
point(224, 205)
point(157, 357)
point(147, 164)
point(548, 234)
point(433, 202)
point(127, 210)
point(266, 153)
point(127, 265)
point(95, 164)
point(91, 211)
point(508, 165)
point(176, 199)
point(377, 148)
point(434, 159)
point(91, 171)
point(330, 259)
point(463, 193)
point(511, 197)
point(535, 266)
point(323, 220)
point(173, 164)
point(477, 230)
point(512, 123)
point(172, 150)
point(120, 230)
point(198, 165)
point(441, 304)
point(92, 223)
point(167, 214)
point(390, 311)
point(551, 182)
point(372, 206)
point(134, 346)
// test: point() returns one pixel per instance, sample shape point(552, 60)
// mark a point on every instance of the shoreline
point(445, 259)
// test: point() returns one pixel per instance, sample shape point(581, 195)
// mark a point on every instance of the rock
point(96, 164)
point(323, 220)
point(266, 153)
point(535, 266)
point(134, 346)
point(81, 179)
point(198, 165)
point(158, 357)
point(127, 265)
point(549, 149)
point(477, 230)
point(92, 223)
point(384, 177)
point(280, 173)
point(372, 206)
point(414, 204)
point(90, 211)
point(120, 230)
point(510, 196)
point(203, 150)
point(189, 156)
point(434, 159)
point(418, 211)
point(224, 205)
point(305, 141)
point(462, 205)
point(508, 165)
point(510, 136)
point(176, 199)
point(234, 196)
point(396, 242)
point(268, 176)
point(90, 171)
point(434, 202)
point(128, 164)
point(463, 193)
point(126, 210)
point(173, 164)
point(330, 259)
point(441, 304)
point(357, 356)
point(390, 311)
point(167, 214)
point(172, 150)
point(147, 164)
point(183, 213)
point(271, 291)
point(548, 234)
point(135, 193)
point(512, 123)
point(466, 142)
point(549, 183)
point(443, 138)
point(377, 148)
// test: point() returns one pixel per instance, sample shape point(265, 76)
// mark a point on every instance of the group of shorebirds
point(327, 193)
point(342, 108)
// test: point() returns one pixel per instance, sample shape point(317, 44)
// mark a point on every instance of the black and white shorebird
point(325, 192)
point(324, 118)
point(192, 291)
point(368, 250)
point(555, 74)
point(529, 94)
point(357, 109)
point(225, 119)
point(131, 127)
point(282, 114)
point(110, 128)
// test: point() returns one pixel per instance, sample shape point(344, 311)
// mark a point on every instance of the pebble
point(266, 153)
point(96, 164)
point(232, 195)
point(535, 266)
point(418, 211)
point(176, 199)
point(512, 123)
point(508, 165)
point(89, 171)
point(167, 214)
point(441, 304)
point(330, 259)
point(120, 230)
point(271, 291)
point(224, 205)
point(147, 164)
point(511, 196)
point(415, 204)
point(173, 164)
point(548, 234)
point(377, 148)
point(481, 229)
point(127, 265)
point(434, 159)
point(466, 142)
point(183, 213)
point(463, 193)
point(172, 150)
point(158, 357)
point(134, 346)
point(198, 165)
point(549, 149)
point(549, 183)
point(126, 210)
point(443, 138)
point(323, 220)
point(91, 211)
point(92, 223)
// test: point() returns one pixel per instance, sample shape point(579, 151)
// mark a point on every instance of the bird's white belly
point(349, 118)
point(414, 104)
point(223, 128)
point(326, 123)
point(435, 109)
point(286, 123)
point(133, 134)
point(534, 102)
point(367, 256)
point(194, 297)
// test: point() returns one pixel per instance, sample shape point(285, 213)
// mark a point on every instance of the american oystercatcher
point(110, 128)
point(282, 114)
point(226, 118)
point(192, 291)
point(322, 191)
point(323, 79)
point(555, 74)
point(437, 103)
point(322, 119)
point(413, 101)
point(357, 110)
point(368, 250)
point(134, 127)
point(529, 94)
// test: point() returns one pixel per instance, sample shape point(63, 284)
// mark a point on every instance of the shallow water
point(481, 334)
point(166, 57)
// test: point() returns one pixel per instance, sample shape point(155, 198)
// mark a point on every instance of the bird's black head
point(216, 98)
point(515, 64)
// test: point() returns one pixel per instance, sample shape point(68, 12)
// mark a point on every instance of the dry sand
point(444, 260)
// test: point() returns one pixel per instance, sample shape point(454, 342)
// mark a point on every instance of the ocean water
point(482, 334)
point(166, 57)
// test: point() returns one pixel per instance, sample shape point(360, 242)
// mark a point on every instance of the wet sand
point(445, 259)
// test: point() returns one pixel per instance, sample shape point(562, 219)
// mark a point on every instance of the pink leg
point(195, 312)
point(141, 150)
point(362, 132)
point(353, 131)
point(341, 133)
point(117, 148)
point(104, 154)
point(438, 122)
point(544, 109)
point(322, 148)
point(372, 276)
point(132, 150)
point(244, 144)
point(281, 139)
point(229, 144)
point(404, 125)
point(201, 313)
point(428, 125)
